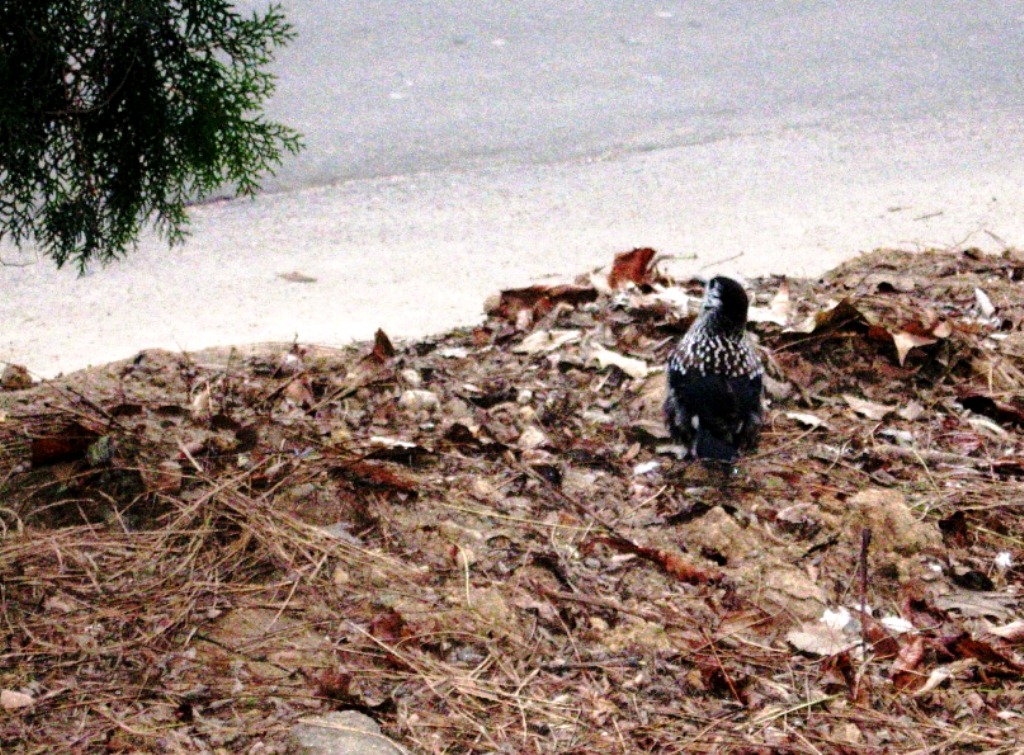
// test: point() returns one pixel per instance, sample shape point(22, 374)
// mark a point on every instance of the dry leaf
point(911, 412)
point(631, 267)
point(635, 368)
point(869, 409)
point(830, 318)
point(905, 341)
point(70, 443)
point(299, 392)
point(909, 657)
point(995, 605)
point(532, 437)
point(1013, 632)
point(202, 403)
point(778, 311)
point(537, 301)
point(942, 673)
point(807, 419)
point(382, 348)
point(818, 638)
point(985, 305)
point(545, 340)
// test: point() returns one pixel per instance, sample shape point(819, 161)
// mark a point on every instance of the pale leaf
point(546, 340)
point(806, 419)
point(905, 341)
point(868, 409)
point(820, 639)
point(985, 305)
point(1014, 631)
point(635, 368)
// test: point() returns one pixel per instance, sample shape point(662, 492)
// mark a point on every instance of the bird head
point(726, 302)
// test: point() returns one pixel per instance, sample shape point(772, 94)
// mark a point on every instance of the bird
point(713, 404)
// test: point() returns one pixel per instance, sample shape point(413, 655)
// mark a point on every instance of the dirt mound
point(482, 541)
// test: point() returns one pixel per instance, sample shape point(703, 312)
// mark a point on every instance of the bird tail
point(707, 446)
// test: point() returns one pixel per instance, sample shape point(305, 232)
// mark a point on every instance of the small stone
point(341, 733)
point(11, 700)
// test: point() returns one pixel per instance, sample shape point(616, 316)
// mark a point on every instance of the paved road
point(457, 147)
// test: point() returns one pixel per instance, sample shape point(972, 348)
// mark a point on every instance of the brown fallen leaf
point(631, 267)
point(908, 658)
point(545, 340)
point(989, 653)
point(869, 409)
point(68, 444)
point(537, 301)
point(1012, 632)
point(831, 318)
point(821, 638)
point(370, 475)
point(635, 368)
point(905, 341)
point(382, 348)
point(300, 392)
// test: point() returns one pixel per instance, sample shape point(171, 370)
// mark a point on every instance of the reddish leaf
point(68, 444)
point(883, 644)
point(840, 668)
point(988, 653)
point(366, 474)
point(909, 657)
point(954, 529)
point(631, 267)
point(382, 348)
point(388, 627)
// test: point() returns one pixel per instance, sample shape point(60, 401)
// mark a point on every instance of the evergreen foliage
point(117, 113)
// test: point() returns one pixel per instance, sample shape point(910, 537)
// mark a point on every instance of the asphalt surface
point(455, 148)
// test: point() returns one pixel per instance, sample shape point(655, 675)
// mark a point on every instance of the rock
point(11, 700)
point(342, 733)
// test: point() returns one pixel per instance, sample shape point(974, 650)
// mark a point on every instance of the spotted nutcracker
point(713, 405)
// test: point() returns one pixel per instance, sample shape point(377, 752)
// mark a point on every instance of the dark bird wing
point(714, 415)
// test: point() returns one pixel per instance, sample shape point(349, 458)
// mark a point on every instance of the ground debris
point(475, 541)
